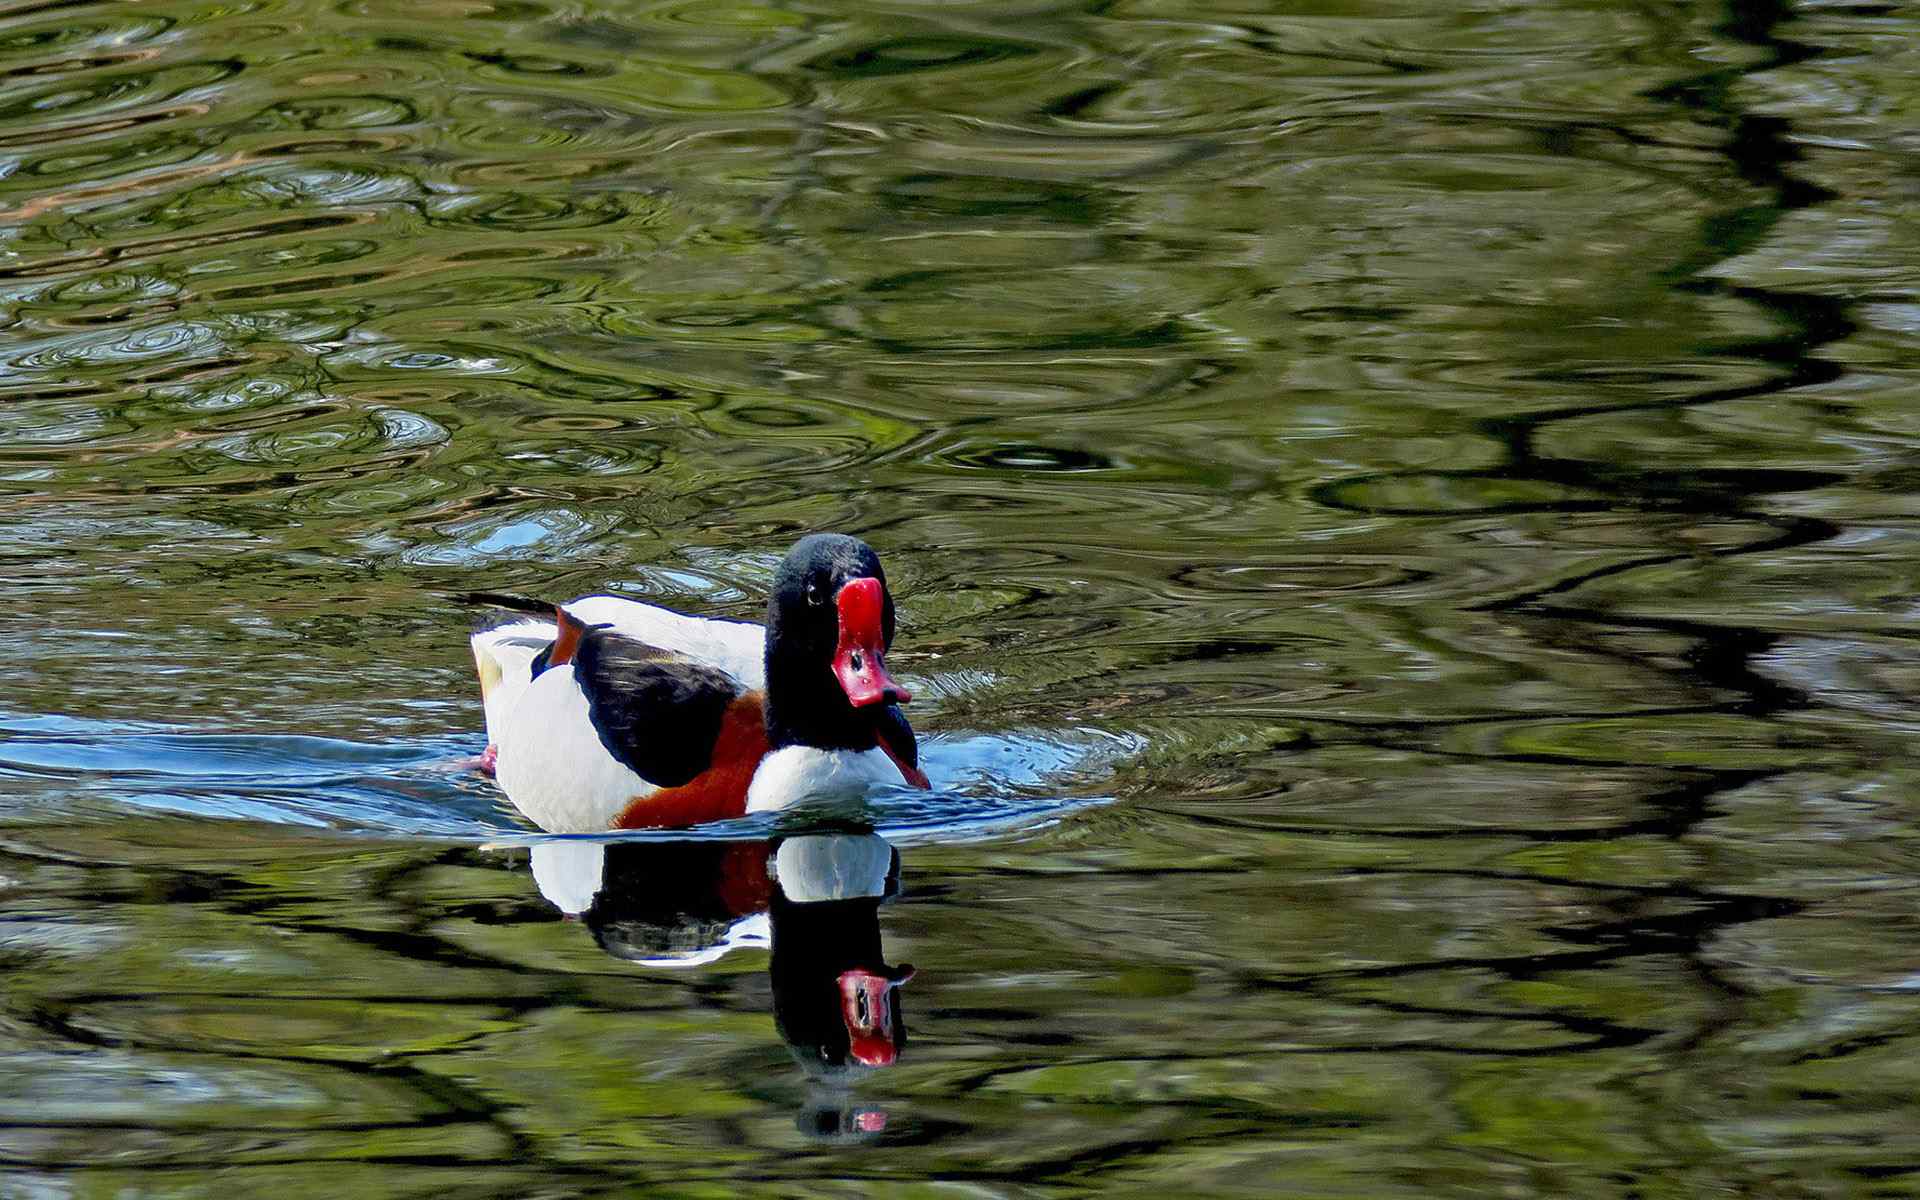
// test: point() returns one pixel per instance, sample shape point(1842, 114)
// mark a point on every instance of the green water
point(1403, 517)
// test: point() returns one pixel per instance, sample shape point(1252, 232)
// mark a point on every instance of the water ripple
point(986, 783)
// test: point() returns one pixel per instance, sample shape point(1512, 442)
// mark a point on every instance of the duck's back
point(739, 648)
point(636, 704)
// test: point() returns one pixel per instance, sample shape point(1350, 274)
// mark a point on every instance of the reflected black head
point(812, 945)
point(805, 703)
point(834, 1120)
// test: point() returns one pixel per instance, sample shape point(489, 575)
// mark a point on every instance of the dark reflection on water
point(1402, 519)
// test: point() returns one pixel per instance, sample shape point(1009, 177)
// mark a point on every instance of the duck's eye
point(816, 595)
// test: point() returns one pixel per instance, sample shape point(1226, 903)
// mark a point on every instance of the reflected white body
point(808, 870)
point(570, 874)
point(840, 866)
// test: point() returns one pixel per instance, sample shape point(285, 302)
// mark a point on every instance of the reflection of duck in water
point(666, 904)
point(836, 1001)
point(619, 714)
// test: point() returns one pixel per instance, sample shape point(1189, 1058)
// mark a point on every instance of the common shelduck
point(618, 714)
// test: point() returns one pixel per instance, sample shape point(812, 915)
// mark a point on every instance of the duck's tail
point(504, 651)
point(506, 600)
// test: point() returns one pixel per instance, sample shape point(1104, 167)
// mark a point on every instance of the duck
point(605, 712)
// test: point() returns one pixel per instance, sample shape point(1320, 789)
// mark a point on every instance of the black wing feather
point(656, 711)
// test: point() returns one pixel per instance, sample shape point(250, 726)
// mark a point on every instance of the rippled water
point(1403, 518)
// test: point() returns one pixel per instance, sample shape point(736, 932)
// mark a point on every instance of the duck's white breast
point(794, 773)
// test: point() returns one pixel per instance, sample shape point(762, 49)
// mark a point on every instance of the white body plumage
point(550, 760)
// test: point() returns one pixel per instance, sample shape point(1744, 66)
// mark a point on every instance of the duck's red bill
point(859, 661)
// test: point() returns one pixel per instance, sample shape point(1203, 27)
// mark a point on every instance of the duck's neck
point(805, 706)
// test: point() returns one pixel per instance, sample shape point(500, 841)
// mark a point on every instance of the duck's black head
point(829, 627)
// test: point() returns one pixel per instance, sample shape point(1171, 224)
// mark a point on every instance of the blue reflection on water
point(983, 783)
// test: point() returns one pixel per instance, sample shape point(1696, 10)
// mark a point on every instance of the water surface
point(1402, 516)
